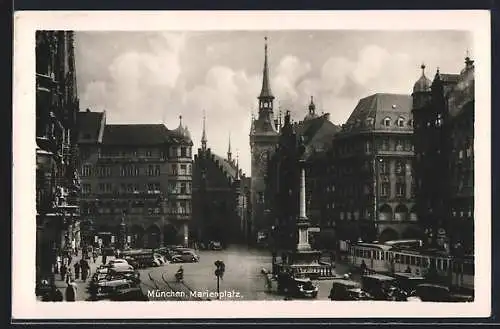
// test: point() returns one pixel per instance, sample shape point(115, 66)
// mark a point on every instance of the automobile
point(296, 287)
point(132, 261)
point(343, 289)
point(408, 281)
point(128, 295)
point(120, 263)
point(358, 294)
point(215, 245)
point(380, 286)
point(185, 256)
point(428, 292)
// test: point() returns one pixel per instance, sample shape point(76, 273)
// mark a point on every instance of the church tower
point(263, 139)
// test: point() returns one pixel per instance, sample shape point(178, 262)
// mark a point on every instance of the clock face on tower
point(260, 158)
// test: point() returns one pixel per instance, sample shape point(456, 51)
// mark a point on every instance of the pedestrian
point(94, 256)
point(69, 275)
point(104, 258)
point(63, 272)
point(71, 291)
point(363, 267)
point(78, 267)
point(58, 264)
point(85, 269)
point(54, 294)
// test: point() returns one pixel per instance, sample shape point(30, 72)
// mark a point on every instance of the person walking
point(71, 291)
point(94, 256)
point(77, 267)
point(85, 269)
point(64, 269)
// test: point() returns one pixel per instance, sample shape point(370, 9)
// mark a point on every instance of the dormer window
point(401, 122)
point(369, 121)
point(387, 122)
point(410, 123)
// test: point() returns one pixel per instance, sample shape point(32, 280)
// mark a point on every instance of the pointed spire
point(423, 69)
point(468, 60)
point(229, 154)
point(204, 135)
point(237, 164)
point(312, 107)
point(266, 88)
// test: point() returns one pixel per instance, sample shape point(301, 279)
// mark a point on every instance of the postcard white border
point(24, 305)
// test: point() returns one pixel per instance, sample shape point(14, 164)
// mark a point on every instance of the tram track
point(174, 287)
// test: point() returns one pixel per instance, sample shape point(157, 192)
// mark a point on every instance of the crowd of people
point(70, 272)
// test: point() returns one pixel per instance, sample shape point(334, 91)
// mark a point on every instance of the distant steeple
point(237, 165)
point(266, 97)
point(266, 88)
point(204, 135)
point(229, 154)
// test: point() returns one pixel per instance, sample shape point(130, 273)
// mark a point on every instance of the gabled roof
point(370, 112)
point(90, 126)
point(228, 167)
point(136, 134)
point(318, 132)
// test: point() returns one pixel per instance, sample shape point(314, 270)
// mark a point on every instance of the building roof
point(90, 125)
point(371, 112)
point(423, 84)
point(266, 87)
point(228, 167)
point(463, 91)
point(136, 134)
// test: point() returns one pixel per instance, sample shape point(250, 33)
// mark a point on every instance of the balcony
point(45, 83)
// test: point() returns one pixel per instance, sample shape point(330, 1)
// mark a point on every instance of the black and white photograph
point(299, 162)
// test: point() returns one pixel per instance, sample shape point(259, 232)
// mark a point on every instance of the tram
point(408, 256)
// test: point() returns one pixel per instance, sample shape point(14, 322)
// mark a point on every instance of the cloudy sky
point(153, 77)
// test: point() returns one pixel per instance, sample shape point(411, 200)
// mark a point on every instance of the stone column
point(302, 220)
point(302, 205)
point(186, 234)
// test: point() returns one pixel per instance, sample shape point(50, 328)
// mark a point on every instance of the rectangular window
point(148, 153)
point(157, 187)
point(183, 188)
point(86, 171)
point(183, 152)
point(86, 189)
point(384, 191)
point(183, 170)
point(400, 189)
point(173, 152)
point(157, 170)
point(173, 170)
point(150, 170)
point(101, 187)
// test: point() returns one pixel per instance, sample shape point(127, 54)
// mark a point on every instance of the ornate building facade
point(220, 197)
point(443, 111)
point(314, 134)
point(57, 181)
point(263, 139)
point(136, 182)
point(371, 191)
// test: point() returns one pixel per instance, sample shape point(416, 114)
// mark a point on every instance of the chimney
point(327, 116)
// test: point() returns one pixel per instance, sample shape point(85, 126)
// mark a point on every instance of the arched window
point(400, 122)
point(387, 121)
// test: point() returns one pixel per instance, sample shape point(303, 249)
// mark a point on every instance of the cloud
point(137, 81)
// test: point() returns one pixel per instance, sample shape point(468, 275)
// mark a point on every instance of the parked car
point(185, 256)
point(119, 263)
point(296, 287)
point(381, 287)
point(215, 245)
point(128, 295)
point(408, 281)
point(344, 289)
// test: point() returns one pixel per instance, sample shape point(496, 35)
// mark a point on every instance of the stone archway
point(170, 235)
point(388, 234)
point(153, 237)
point(385, 213)
point(136, 234)
point(401, 213)
point(105, 233)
